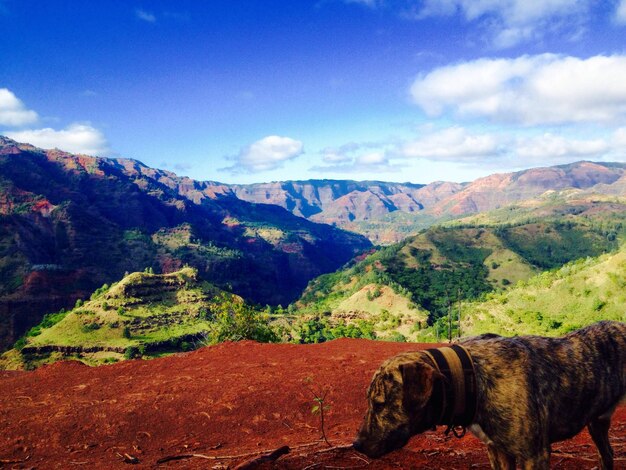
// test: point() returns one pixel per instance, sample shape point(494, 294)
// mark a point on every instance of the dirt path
point(228, 400)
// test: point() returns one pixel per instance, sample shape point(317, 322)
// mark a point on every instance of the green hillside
point(555, 302)
point(467, 259)
point(144, 314)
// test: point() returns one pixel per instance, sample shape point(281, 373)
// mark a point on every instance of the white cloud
point(511, 22)
point(364, 157)
point(530, 90)
point(76, 138)
point(146, 16)
point(13, 112)
point(620, 12)
point(497, 150)
point(343, 154)
point(552, 148)
point(266, 154)
point(372, 158)
point(619, 138)
point(451, 144)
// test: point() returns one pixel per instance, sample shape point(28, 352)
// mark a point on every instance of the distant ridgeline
point(388, 212)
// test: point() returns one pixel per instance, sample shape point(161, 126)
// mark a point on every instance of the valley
point(71, 223)
point(77, 221)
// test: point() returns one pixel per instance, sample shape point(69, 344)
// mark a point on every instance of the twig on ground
point(341, 447)
point(272, 456)
point(227, 457)
point(15, 460)
point(313, 465)
point(170, 458)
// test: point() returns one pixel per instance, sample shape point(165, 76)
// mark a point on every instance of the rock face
point(499, 190)
point(331, 201)
point(365, 207)
point(70, 223)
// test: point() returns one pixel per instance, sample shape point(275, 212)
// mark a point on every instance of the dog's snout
point(358, 446)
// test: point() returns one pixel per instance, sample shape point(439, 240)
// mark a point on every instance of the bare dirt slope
point(225, 402)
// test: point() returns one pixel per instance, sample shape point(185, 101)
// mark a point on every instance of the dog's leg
point(599, 430)
point(539, 462)
point(500, 460)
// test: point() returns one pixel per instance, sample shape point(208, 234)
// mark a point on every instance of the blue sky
point(263, 90)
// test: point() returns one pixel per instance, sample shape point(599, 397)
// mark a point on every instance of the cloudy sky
point(264, 90)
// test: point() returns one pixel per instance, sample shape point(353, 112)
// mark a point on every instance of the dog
point(524, 393)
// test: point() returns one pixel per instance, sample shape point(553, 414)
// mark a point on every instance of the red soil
point(233, 399)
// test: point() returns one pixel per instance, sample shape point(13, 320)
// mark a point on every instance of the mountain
point(337, 201)
point(557, 302)
point(70, 223)
point(354, 205)
point(468, 258)
point(499, 190)
point(389, 212)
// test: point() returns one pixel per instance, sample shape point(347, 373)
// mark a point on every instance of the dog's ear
point(417, 383)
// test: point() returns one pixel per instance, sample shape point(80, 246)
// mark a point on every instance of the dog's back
point(567, 382)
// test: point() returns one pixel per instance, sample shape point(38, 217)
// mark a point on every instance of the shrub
point(555, 325)
point(235, 321)
point(126, 333)
point(132, 352)
point(20, 343)
point(396, 337)
point(598, 304)
point(90, 327)
point(79, 303)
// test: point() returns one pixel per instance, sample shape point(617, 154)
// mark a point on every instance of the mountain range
point(388, 212)
point(71, 223)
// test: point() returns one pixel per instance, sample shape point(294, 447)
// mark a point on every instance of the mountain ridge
point(386, 212)
point(69, 223)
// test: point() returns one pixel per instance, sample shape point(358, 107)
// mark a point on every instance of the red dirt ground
point(227, 402)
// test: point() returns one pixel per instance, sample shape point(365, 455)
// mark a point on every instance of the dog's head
point(399, 407)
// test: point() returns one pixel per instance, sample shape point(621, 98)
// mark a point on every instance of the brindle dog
point(531, 391)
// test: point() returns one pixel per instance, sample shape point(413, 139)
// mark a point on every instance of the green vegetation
point(511, 272)
point(319, 330)
point(555, 302)
point(235, 321)
point(143, 315)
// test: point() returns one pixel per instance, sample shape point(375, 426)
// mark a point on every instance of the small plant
point(20, 343)
point(319, 406)
point(79, 303)
point(126, 332)
point(132, 352)
point(90, 327)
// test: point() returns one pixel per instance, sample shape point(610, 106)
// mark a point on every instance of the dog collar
point(456, 395)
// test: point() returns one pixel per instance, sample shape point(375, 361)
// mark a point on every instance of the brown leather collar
point(456, 395)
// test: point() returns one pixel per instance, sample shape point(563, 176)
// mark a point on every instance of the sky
point(244, 91)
